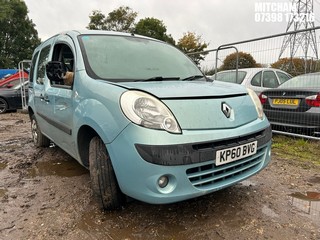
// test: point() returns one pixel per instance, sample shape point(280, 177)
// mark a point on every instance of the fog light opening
point(163, 181)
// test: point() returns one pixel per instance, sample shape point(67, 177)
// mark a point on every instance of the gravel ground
point(45, 194)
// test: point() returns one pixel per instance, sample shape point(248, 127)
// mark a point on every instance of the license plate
point(285, 101)
point(235, 153)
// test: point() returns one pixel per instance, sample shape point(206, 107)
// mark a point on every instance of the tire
point(103, 179)
point(3, 106)
point(38, 138)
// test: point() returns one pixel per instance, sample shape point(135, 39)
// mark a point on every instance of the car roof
point(252, 70)
point(309, 74)
point(76, 33)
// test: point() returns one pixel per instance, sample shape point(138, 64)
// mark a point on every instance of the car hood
point(199, 105)
point(181, 89)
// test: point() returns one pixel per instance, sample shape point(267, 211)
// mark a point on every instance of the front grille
point(210, 176)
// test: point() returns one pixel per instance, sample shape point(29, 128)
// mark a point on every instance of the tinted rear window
point(231, 76)
point(303, 81)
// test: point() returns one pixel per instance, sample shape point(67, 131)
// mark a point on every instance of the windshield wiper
point(192, 77)
point(159, 78)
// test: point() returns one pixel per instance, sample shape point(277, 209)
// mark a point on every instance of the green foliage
point(18, 36)
point(208, 70)
point(245, 60)
point(97, 21)
point(121, 19)
point(192, 43)
point(154, 28)
point(296, 66)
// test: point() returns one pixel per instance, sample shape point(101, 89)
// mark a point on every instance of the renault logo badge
point(226, 109)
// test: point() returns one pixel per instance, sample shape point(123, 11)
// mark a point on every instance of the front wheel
point(38, 138)
point(3, 106)
point(103, 179)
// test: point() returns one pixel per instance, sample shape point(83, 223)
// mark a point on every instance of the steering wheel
point(56, 70)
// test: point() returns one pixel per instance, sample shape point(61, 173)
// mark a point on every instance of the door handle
point(44, 98)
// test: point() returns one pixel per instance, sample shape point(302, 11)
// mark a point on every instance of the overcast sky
point(217, 21)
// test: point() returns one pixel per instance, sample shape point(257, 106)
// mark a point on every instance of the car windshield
point(230, 76)
point(129, 58)
point(303, 81)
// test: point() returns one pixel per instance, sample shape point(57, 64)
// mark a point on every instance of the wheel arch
point(6, 102)
point(30, 112)
point(85, 134)
point(93, 118)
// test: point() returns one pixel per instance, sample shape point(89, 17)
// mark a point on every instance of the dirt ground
point(45, 194)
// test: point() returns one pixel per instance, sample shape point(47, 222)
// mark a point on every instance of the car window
point(43, 59)
point(303, 81)
point(33, 63)
point(123, 58)
point(231, 76)
point(269, 79)
point(256, 80)
point(282, 77)
point(63, 53)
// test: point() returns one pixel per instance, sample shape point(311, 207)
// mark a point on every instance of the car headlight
point(148, 111)
point(256, 102)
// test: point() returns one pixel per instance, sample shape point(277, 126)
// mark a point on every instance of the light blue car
point(143, 118)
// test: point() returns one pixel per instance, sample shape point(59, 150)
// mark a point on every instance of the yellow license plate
point(284, 101)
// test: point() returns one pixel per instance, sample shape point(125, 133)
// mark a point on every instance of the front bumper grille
point(210, 176)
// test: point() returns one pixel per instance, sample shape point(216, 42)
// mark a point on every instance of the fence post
point(223, 47)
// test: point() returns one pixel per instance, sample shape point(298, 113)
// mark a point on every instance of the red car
point(14, 79)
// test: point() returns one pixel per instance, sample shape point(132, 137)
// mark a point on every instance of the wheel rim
point(3, 106)
point(34, 129)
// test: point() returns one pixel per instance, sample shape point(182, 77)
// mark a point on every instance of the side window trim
point(32, 67)
point(42, 61)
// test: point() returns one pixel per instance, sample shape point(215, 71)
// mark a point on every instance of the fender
point(105, 121)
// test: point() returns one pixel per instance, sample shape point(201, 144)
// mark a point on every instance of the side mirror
point(56, 71)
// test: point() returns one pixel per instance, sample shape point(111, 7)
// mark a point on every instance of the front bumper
point(190, 153)
point(188, 161)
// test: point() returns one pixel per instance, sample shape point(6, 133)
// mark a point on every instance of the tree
point(296, 66)
point(245, 60)
point(18, 36)
point(121, 20)
point(154, 28)
point(192, 43)
point(97, 21)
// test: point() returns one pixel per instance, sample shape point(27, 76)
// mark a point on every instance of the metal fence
point(294, 114)
point(24, 65)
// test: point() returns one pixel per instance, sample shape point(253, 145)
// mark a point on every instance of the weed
point(297, 149)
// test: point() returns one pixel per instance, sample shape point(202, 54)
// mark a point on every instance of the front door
point(60, 96)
